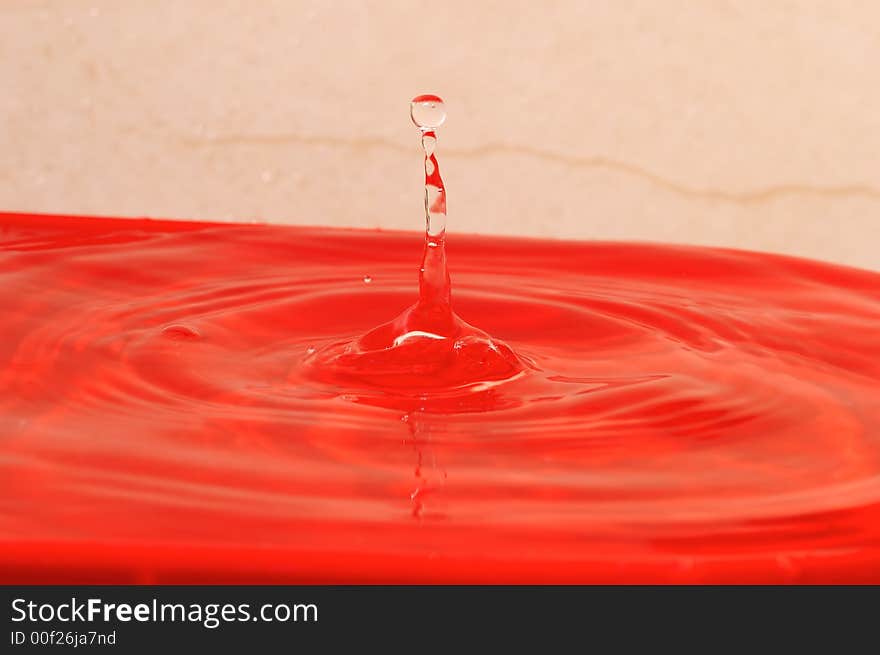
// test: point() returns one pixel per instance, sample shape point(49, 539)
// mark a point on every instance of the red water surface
point(192, 402)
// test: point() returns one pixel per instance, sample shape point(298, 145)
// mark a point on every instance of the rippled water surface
point(173, 409)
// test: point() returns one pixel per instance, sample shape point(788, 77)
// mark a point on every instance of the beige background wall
point(753, 124)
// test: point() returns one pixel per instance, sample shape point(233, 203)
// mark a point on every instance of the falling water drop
point(428, 112)
point(368, 279)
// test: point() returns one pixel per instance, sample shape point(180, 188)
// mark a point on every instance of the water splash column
point(428, 113)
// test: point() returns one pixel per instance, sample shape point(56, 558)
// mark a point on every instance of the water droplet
point(427, 111)
point(311, 350)
point(367, 279)
point(267, 176)
point(180, 331)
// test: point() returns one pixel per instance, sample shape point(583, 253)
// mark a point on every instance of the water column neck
point(435, 193)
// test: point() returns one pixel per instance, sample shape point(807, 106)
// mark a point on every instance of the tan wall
point(750, 124)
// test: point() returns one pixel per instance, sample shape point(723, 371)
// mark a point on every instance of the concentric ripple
point(170, 411)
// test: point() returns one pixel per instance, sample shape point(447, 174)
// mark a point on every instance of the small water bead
point(427, 111)
point(368, 279)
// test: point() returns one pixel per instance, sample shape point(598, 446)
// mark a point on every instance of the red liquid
point(172, 412)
